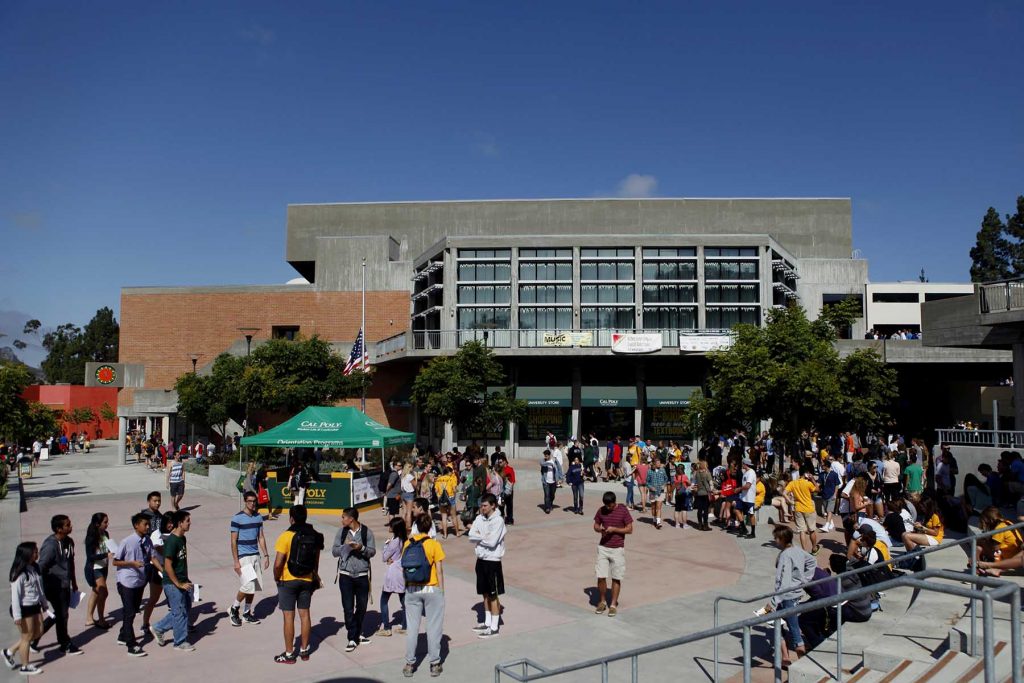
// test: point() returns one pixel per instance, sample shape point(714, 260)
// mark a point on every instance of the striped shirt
point(177, 473)
point(248, 528)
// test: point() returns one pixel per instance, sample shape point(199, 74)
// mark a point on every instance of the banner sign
point(568, 339)
point(636, 343)
point(702, 343)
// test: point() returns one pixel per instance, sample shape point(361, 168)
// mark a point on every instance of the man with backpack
point(354, 546)
point(295, 571)
point(424, 595)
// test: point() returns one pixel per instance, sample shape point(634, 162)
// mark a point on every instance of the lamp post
point(249, 333)
point(194, 357)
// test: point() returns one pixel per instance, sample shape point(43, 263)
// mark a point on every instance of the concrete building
point(891, 307)
point(601, 309)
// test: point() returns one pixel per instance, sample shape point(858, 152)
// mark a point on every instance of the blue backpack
point(415, 565)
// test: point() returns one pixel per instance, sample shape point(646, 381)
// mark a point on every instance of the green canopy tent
point(329, 427)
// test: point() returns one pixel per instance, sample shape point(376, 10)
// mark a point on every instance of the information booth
point(327, 427)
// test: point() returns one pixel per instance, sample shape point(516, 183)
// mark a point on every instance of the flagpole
point(363, 351)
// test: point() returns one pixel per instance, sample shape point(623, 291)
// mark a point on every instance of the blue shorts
point(745, 508)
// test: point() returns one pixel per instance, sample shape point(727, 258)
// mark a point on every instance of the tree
point(69, 347)
point(455, 388)
point(790, 372)
point(107, 413)
point(21, 420)
point(1015, 229)
point(990, 257)
point(80, 416)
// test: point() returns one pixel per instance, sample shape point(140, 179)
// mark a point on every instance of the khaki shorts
point(806, 522)
point(660, 498)
point(251, 587)
point(611, 563)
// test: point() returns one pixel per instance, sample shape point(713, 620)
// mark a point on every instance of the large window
point(529, 271)
point(730, 294)
point(606, 294)
point(545, 318)
point(895, 297)
point(606, 270)
point(607, 288)
point(670, 294)
point(724, 317)
point(545, 294)
point(670, 317)
point(484, 292)
point(606, 317)
point(669, 291)
point(730, 270)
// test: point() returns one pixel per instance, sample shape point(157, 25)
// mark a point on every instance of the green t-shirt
point(176, 551)
point(914, 476)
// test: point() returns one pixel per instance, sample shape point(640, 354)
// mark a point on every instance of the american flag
point(358, 359)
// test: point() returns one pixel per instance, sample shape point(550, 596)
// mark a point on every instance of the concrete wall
point(808, 228)
point(831, 276)
point(905, 314)
point(339, 264)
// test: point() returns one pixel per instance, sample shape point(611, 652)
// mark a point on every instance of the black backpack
point(304, 553)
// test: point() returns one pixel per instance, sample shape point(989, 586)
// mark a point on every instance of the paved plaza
point(672, 579)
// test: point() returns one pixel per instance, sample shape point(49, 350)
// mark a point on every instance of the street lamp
point(248, 332)
point(194, 357)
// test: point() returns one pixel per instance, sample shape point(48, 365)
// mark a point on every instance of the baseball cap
point(748, 462)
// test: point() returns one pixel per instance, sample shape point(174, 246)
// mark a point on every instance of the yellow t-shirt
point(803, 492)
point(935, 524)
point(883, 550)
point(284, 546)
point(434, 553)
point(634, 455)
point(1008, 542)
point(446, 483)
point(759, 494)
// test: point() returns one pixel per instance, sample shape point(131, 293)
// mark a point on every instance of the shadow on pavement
point(56, 493)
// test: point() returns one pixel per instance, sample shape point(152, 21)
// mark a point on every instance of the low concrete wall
point(969, 457)
point(220, 480)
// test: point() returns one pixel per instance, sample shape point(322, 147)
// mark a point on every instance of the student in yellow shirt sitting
point(929, 533)
point(1002, 550)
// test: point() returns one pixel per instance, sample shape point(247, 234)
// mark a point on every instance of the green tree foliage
point(1015, 229)
point(455, 388)
point(21, 420)
point(790, 372)
point(80, 416)
point(70, 347)
point(990, 257)
point(107, 412)
point(281, 376)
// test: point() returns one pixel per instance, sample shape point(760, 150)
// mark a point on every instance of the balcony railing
point(1002, 438)
point(450, 340)
point(1000, 297)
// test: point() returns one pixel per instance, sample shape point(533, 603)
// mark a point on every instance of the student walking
point(656, 480)
point(703, 487)
point(801, 492)
point(354, 546)
point(548, 480)
point(131, 560)
point(28, 603)
point(248, 548)
point(177, 586)
point(574, 477)
point(507, 500)
point(57, 567)
point(613, 522)
point(422, 559)
point(297, 557)
point(747, 497)
point(175, 481)
point(681, 485)
point(394, 579)
point(488, 535)
point(444, 489)
point(97, 565)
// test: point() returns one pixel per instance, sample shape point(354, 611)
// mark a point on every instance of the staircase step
point(976, 674)
point(947, 669)
point(906, 670)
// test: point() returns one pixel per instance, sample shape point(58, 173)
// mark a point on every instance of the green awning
point(608, 397)
point(537, 397)
point(329, 427)
point(669, 397)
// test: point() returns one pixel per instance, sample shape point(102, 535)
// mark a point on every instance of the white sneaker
point(487, 633)
point(481, 627)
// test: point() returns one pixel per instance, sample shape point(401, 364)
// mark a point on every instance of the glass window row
point(730, 270)
point(728, 294)
point(670, 270)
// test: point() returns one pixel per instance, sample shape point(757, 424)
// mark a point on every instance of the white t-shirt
point(556, 456)
point(890, 472)
point(880, 533)
point(750, 477)
point(844, 498)
point(407, 483)
point(838, 468)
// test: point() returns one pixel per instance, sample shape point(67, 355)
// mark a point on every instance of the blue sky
point(159, 143)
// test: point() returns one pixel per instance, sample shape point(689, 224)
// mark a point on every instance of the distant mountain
point(7, 354)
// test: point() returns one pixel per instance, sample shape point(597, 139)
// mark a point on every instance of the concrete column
point(577, 390)
point(1018, 385)
point(641, 391)
point(122, 434)
point(449, 436)
point(165, 426)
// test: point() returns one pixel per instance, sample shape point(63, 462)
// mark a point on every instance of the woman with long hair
point(394, 579)
point(861, 504)
point(1002, 550)
point(445, 486)
point(408, 483)
point(929, 533)
point(97, 563)
point(28, 603)
point(703, 486)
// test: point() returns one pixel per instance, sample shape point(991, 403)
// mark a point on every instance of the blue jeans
point(385, 617)
point(577, 496)
point(559, 475)
point(795, 639)
point(179, 602)
point(629, 494)
point(549, 495)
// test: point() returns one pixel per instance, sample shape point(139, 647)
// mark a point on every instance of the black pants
point(702, 503)
point(60, 602)
point(354, 592)
point(131, 599)
point(549, 496)
point(506, 504)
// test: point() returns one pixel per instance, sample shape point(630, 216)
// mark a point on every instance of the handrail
point(972, 540)
point(999, 589)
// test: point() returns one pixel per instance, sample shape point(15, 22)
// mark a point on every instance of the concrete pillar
point(1018, 385)
point(165, 427)
point(577, 390)
point(122, 434)
point(449, 436)
point(641, 391)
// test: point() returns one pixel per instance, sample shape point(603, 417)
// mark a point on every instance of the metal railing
point(1001, 296)
point(972, 540)
point(526, 670)
point(1001, 438)
point(390, 346)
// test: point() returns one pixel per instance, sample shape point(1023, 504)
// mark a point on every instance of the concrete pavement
point(672, 579)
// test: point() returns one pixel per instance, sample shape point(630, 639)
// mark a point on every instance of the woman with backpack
point(447, 500)
point(394, 580)
point(96, 567)
point(28, 603)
